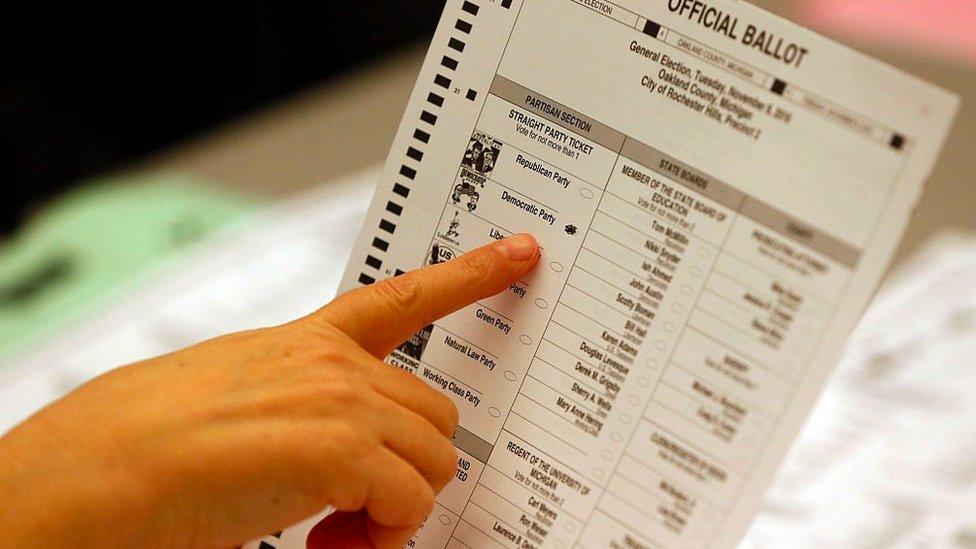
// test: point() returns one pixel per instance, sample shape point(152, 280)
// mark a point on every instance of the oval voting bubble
point(625, 419)
point(616, 436)
point(643, 381)
point(494, 412)
point(598, 474)
point(704, 253)
point(669, 326)
point(695, 271)
point(445, 520)
point(570, 529)
point(634, 400)
point(678, 308)
point(651, 363)
point(607, 455)
point(660, 345)
point(687, 289)
point(557, 267)
point(525, 339)
point(541, 303)
point(510, 375)
point(587, 193)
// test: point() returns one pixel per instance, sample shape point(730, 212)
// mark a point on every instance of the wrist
point(26, 518)
point(55, 497)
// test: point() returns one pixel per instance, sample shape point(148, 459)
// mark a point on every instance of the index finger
point(382, 316)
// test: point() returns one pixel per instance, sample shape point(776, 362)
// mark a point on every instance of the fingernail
point(520, 247)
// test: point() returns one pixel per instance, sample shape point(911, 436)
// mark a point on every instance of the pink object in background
point(946, 28)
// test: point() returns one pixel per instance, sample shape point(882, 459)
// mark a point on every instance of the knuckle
point(351, 497)
point(414, 500)
point(440, 409)
point(317, 332)
point(336, 359)
point(401, 292)
point(349, 439)
point(343, 394)
point(423, 504)
point(446, 465)
point(448, 411)
point(478, 266)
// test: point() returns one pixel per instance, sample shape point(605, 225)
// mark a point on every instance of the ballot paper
point(717, 193)
point(891, 444)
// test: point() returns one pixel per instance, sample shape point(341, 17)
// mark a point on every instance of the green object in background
point(94, 243)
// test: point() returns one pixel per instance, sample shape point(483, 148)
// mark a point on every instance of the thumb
point(381, 316)
point(339, 531)
point(355, 531)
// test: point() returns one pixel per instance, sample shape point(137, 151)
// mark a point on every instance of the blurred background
point(181, 170)
point(87, 89)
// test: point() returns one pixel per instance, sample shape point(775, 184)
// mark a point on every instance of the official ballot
point(717, 193)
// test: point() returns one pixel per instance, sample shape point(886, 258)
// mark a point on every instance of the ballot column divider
point(674, 350)
point(535, 353)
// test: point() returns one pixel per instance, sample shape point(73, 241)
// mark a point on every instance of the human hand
point(245, 434)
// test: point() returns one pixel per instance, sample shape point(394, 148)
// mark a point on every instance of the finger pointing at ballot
point(230, 439)
point(382, 316)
